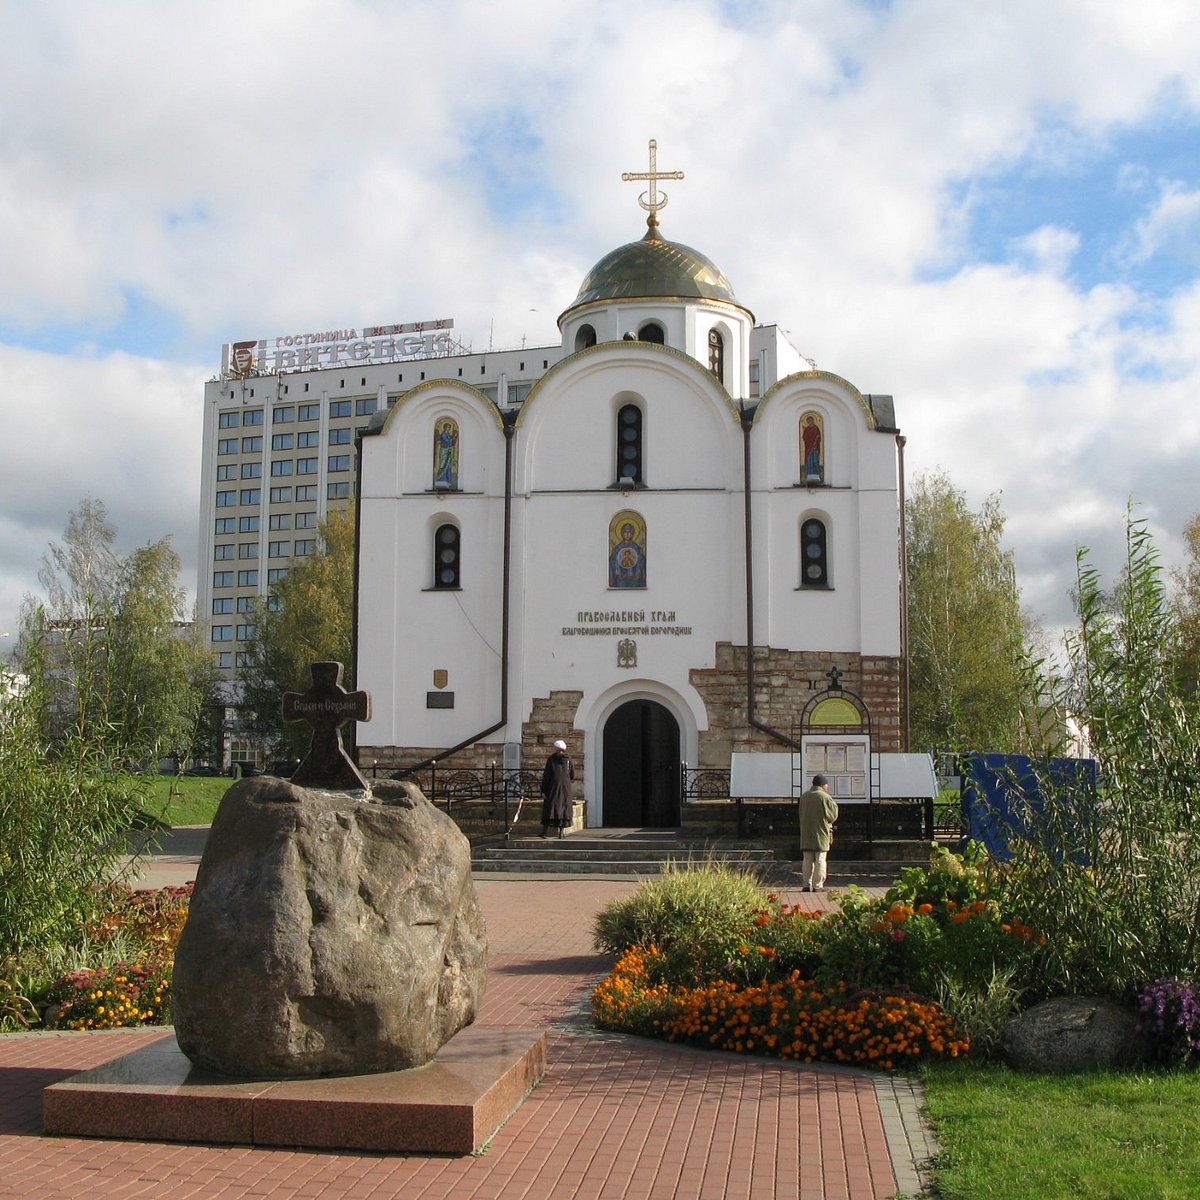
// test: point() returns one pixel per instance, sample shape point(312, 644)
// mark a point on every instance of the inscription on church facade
point(626, 623)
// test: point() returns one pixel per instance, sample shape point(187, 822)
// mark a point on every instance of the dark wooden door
point(641, 766)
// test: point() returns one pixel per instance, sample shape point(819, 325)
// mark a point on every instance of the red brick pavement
point(614, 1117)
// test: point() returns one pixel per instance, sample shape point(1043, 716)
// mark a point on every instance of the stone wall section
point(784, 682)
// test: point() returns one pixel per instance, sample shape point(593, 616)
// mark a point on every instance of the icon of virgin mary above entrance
point(627, 550)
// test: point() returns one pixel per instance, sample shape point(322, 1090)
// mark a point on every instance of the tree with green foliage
point(109, 650)
point(307, 618)
point(1187, 613)
point(967, 637)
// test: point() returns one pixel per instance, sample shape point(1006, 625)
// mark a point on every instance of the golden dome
point(653, 268)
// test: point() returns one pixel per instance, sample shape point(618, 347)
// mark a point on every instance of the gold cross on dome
point(655, 202)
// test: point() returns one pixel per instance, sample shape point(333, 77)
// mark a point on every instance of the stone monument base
point(451, 1105)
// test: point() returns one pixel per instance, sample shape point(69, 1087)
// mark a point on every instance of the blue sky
point(989, 210)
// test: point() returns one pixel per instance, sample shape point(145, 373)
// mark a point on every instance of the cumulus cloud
point(175, 177)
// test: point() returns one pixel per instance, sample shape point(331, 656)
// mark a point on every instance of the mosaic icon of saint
point(445, 454)
point(627, 551)
point(812, 448)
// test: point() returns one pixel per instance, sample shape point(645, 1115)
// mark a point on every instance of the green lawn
point(186, 799)
point(1009, 1136)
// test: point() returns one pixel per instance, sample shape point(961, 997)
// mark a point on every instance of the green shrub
point(697, 913)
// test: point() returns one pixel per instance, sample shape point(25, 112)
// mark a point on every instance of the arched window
point(446, 557)
point(585, 337)
point(716, 354)
point(652, 332)
point(629, 444)
point(814, 554)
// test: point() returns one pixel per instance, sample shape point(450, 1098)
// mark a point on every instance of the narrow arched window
point(629, 444)
point(716, 354)
point(652, 332)
point(585, 337)
point(814, 554)
point(446, 557)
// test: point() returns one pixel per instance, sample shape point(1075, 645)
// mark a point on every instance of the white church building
point(592, 561)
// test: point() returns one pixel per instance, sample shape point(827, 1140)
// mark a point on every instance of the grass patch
point(1104, 1136)
point(186, 799)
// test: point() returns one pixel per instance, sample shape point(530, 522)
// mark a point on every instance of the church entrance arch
point(640, 743)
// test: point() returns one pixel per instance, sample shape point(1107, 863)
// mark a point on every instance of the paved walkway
point(614, 1117)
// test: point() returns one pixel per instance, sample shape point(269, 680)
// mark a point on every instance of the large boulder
point(329, 933)
point(1073, 1033)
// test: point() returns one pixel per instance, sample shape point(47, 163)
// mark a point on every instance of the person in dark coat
point(557, 804)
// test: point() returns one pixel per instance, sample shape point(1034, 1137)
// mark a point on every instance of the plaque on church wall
point(439, 699)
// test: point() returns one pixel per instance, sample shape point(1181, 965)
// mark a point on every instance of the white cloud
point(228, 169)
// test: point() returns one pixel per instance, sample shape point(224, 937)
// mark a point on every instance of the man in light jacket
point(818, 811)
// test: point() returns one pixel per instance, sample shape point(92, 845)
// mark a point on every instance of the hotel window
point(629, 444)
point(226, 472)
point(447, 549)
point(247, 525)
point(309, 412)
point(281, 495)
point(247, 579)
point(251, 496)
point(222, 633)
point(311, 438)
point(248, 550)
point(339, 408)
point(307, 520)
point(246, 604)
point(246, 633)
point(305, 547)
point(252, 445)
point(281, 441)
point(224, 525)
point(252, 416)
point(223, 553)
point(229, 420)
point(814, 557)
point(252, 470)
point(338, 491)
point(339, 437)
point(283, 414)
point(242, 658)
point(364, 408)
point(221, 605)
point(222, 579)
point(227, 446)
point(281, 466)
point(279, 521)
point(307, 491)
point(226, 499)
point(225, 658)
point(339, 462)
point(306, 466)
point(279, 549)
point(276, 574)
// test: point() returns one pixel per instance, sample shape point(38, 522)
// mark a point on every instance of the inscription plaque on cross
point(327, 706)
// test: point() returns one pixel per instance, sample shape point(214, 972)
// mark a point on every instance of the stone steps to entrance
point(644, 852)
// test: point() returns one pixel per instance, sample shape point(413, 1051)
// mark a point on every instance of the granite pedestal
point(451, 1105)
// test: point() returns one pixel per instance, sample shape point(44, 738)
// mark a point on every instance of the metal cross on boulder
point(327, 706)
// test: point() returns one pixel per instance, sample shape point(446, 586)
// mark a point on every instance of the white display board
point(905, 776)
point(760, 776)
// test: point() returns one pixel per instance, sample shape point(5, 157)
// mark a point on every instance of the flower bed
point(789, 1018)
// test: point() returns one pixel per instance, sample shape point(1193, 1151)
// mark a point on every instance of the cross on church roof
point(653, 175)
point(327, 706)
